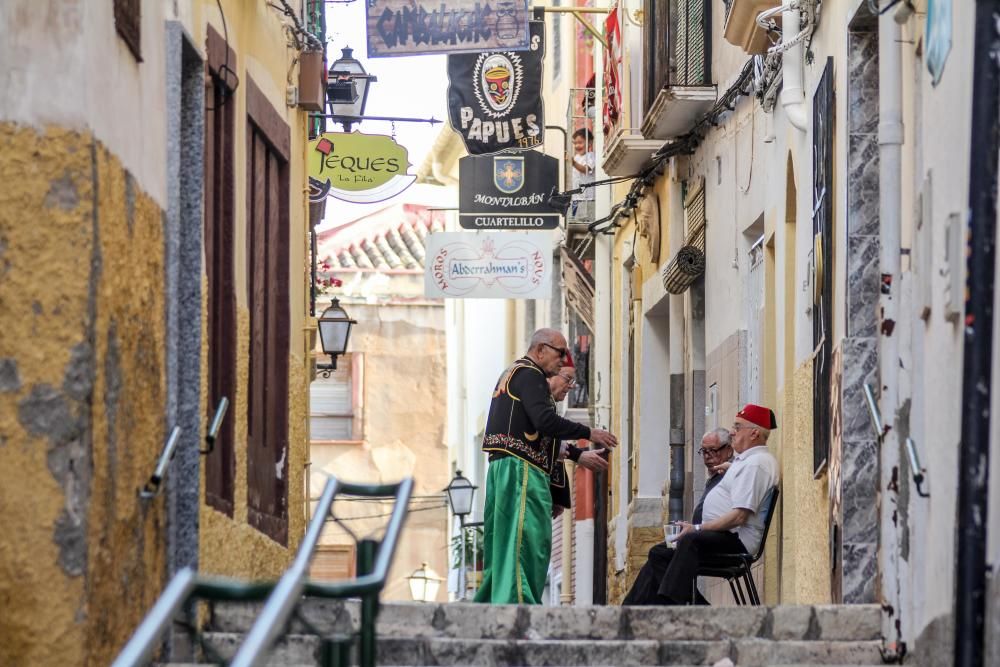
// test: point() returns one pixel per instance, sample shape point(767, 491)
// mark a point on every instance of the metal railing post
point(369, 603)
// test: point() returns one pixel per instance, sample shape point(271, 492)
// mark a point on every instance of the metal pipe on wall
point(977, 362)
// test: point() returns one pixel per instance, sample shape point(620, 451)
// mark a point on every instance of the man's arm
point(734, 518)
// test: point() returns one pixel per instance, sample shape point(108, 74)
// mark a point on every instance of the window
point(268, 140)
point(333, 414)
point(220, 465)
point(128, 23)
point(333, 562)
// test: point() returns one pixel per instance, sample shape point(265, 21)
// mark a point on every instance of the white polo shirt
point(744, 486)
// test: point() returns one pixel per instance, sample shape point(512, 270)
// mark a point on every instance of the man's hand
point(563, 451)
point(722, 467)
point(685, 529)
point(591, 459)
point(603, 438)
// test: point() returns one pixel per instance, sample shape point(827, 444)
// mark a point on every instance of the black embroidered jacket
point(523, 421)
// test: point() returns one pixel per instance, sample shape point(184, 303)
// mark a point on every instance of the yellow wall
point(82, 352)
point(231, 546)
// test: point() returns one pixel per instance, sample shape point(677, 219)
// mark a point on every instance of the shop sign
point(495, 99)
point(507, 191)
point(420, 27)
point(488, 265)
point(358, 168)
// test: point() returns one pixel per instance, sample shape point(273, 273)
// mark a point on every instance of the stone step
point(477, 621)
point(299, 649)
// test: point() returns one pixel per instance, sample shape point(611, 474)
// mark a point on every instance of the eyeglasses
point(711, 450)
point(737, 427)
point(561, 350)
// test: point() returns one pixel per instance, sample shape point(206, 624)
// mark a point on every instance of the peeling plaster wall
point(82, 394)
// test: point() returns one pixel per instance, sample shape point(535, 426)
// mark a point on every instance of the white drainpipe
point(890, 140)
point(793, 96)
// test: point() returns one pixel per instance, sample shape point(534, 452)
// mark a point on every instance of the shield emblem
point(508, 173)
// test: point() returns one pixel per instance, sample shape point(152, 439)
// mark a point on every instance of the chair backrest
point(770, 502)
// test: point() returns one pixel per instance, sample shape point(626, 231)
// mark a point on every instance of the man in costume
point(732, 519)
point(716, 453)
point(522, 439)
point(592, 459)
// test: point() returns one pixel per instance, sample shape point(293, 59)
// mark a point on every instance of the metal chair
point(735, 568)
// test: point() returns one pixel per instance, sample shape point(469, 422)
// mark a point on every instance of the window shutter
point(128, 23)
point(694, 218)
point(332, 404)
point(333, 562)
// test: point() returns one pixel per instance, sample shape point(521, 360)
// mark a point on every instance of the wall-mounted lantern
point(347, 89)
point(334, 332)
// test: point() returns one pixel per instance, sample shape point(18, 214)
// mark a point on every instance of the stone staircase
point(469, 634)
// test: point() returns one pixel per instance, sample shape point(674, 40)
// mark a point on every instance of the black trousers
point(669, 575)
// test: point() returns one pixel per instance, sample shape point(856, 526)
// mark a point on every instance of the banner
point(495, 99)
point(421, 27)
point(612, 71)
point(488, 265)
point(507, 191)
point(357, 168)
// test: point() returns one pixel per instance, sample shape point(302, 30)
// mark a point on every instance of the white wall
point(63, 62)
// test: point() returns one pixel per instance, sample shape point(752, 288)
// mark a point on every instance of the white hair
point(720, 433)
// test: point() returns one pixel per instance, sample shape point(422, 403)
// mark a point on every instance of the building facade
point(135, 293)
point(791, 236)
point(382, 415)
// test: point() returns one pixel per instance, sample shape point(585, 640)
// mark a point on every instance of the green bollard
point(369, 603)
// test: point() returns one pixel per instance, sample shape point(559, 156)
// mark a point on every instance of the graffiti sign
point(417, 27)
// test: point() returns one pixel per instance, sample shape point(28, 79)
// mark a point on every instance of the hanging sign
point(419, 27)
point(357, 168)
point(495, 99)
point(488, 265)
point(507, 191)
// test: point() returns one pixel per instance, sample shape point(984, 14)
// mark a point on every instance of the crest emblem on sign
point(497, 79)
point(508, 173)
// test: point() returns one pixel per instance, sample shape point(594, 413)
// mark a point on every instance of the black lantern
point(460, 494)
point(347, 88)
point(334, 332)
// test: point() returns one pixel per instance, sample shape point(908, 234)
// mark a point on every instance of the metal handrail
point(184, 586)
point(273, 618)
point(213, 430)
point(152, 487)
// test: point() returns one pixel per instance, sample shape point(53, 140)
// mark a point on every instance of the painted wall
point(82, 422)
point(85, 290)
point(256, 32)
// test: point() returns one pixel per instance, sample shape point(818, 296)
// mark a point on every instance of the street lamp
point(334, 332)
point(460, 494)
point(347, 88)
point(424, 584)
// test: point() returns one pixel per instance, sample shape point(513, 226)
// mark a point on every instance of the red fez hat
point(568, 360)
point(759, 415)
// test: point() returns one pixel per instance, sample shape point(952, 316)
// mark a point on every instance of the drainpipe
point(890, 140)
point(977, 363)
point(793, 96)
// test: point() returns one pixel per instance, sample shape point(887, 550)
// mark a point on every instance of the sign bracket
point(578, 13)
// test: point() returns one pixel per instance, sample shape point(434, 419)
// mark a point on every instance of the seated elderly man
point(732, 521)
point(716, 453)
